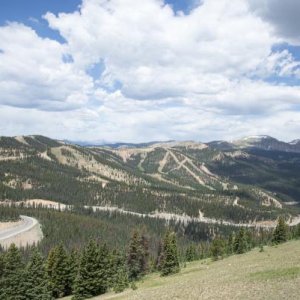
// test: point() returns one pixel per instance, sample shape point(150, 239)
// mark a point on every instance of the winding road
point(26, 224)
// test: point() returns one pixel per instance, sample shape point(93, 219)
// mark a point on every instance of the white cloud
point(153, 52)
point(196, 76)
point(33, 72)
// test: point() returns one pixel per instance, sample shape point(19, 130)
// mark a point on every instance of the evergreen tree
point(58, 271)
point(73, 265)
point(190, 254)
point(280, 233)
point(121, 280)
point(249, 239)
point(298, 231)
point(137, 257)
point(217, 248)
point(240, 243)
point(1, 265)
point(92, 278)
point(230, 244)
point(169, 256)
point(117, 262)
point(12, 286)
point(37, 287)
point(104, 272)
point(144, 254)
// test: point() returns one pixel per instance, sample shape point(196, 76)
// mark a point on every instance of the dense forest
point(177, 179)
point(96, 268)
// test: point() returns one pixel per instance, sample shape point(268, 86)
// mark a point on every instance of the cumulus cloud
point(164, 75)
point(165, 55)
point(33, 72)
point(283, 15)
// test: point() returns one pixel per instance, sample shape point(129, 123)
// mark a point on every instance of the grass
point(271, 274)
point(283, 273)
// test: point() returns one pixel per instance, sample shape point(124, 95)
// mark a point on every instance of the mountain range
point(248, 180)
point(264, 142)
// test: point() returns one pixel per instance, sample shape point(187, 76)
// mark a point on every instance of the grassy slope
point(272, 274)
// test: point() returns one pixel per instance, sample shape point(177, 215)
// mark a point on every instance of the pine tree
point(169, 256)
point(73, 265)
point(298, 231)
point(117, 262)
point(37, 286)
point(137, 257)
point(12, 285)
point(144, 254)
point(121, 280)
point(280, 233)
point(230, 244)
point(217, 248)
point(58, 271)
point(92, 278)
point(1, 265)
point(190, 254)
point(104, 274)
point(240, 243)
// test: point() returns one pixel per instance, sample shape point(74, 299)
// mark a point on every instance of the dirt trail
point(143, 157)
point(182, 164)
point(163, 162)
point(21, 140)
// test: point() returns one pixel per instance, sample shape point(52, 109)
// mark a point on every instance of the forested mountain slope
point(189, 179)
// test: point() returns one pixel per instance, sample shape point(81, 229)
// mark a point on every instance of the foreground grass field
point(272, 274)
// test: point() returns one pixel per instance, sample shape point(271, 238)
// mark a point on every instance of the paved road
point(26, 224)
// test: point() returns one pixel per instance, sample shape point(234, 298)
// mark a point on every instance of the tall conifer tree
point(58, 271)
point(93, 274)
point(137, 257)
point(37, 285)
point(12, 285)
point(169, 259)
point(280, 233)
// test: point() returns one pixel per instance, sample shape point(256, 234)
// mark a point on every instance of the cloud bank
point(138, 71)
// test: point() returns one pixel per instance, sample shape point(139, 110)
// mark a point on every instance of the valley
point(187, 184)
point(69, 195)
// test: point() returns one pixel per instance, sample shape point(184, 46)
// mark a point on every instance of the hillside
point(187, 181)
point(272, 274)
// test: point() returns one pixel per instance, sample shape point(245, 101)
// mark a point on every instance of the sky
point(136, 71)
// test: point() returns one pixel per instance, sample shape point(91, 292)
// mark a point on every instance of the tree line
point(83, 274)
point(96, 268)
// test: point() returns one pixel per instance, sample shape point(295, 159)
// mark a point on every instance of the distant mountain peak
point(295, 142)
point(258, 137)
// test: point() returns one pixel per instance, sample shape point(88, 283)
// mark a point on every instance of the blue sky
point(124, 70)
point(30, 12)
point(18, 10)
